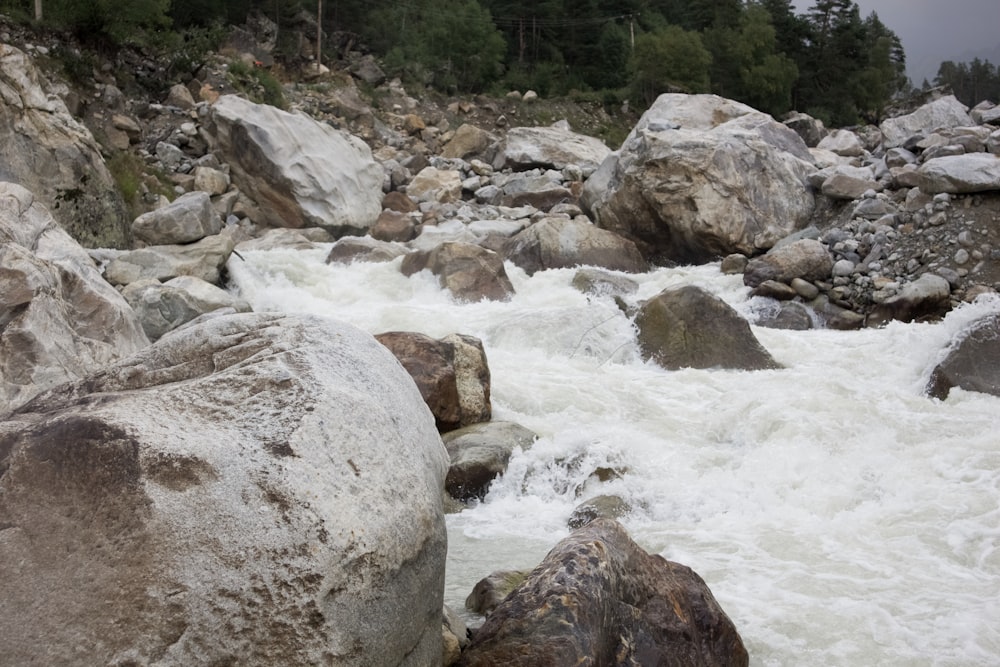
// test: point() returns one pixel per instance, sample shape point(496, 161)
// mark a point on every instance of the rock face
point(255, 489)
point(553, 147)
point(687, 327)
point(469, 272)
point(44, 149)
point(973, 364)
point(301, 172)
point(702, 177)
point(59, 319)
point(556, 243)
point(479, 453)
point(452, 375)
point(598, 599)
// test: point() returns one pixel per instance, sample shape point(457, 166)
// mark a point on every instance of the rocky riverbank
point(131, 368)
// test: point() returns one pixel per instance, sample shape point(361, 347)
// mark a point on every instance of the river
point(839, 515)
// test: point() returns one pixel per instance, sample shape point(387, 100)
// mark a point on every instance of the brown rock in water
point(689, 328)
point(479, 453)
point(452, 375)
point(471, 273)
point(973, 365)
point(598, 599)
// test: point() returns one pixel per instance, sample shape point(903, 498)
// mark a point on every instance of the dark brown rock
point(491, 590)
point(687, 327)
point(469, 272)
point(394, 226)
point(451, 373)
point(974, 363)
point(598, 599)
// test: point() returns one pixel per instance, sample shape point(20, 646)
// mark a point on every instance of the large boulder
point(51, 154)
point(452, 374)
point(59, 318)
point(479, 454)
point(805, 259)
point(255, 489)
point(927, 297)
point(687, 327)
point(944, 112)
point(188, 218)
point(471, 273)
point(960, 174)
point(556, 243)
point(599, 599)
point(702, 177)
point(554, 147)
point(301, 172)
point(973, 363)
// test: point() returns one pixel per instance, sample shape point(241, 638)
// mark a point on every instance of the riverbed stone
point(479, 454)
point(471, 273)
point(599, 599)
point(974, 362)
point(555, 243)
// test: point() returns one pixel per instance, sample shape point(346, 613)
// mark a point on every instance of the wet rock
point(790, 315)
point(363, 249)
point(555, 243)
point(454, 636)
point(598, 598)
point(602, 283)
point(220, 497)
point(701, 177)
point(974, 362)
point(59, 318)
point(491, 590)
point(927, 296)
point(599, 507)
point(452, 375)
point(687, 327)
point(479, 454)
point(469, 272)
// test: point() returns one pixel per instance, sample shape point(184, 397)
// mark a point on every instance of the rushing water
point(839, 515)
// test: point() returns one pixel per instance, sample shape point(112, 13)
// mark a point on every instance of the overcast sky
point(936, 30)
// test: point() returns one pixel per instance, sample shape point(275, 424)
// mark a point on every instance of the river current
point(839, 515)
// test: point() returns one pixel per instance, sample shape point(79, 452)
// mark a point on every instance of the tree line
point(828, 61)
point(971, 82)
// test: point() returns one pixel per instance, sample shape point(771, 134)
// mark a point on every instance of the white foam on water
point(839, 515)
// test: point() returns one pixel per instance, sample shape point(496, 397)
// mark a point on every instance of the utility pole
point(319, 36)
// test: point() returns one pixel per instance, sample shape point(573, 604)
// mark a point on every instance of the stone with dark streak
point(598, 599)
point(252, 489)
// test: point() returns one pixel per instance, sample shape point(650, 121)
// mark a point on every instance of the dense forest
point(829, 62)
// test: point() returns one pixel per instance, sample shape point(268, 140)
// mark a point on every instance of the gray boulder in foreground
point(255, 489)
point(599, 599)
